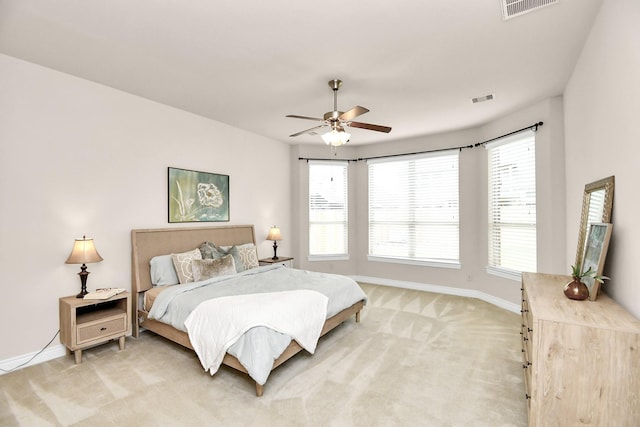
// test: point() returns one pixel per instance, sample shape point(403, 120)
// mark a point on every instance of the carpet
point(416, 359)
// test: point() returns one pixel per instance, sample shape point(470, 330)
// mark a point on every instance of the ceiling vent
point(482, 98)
point(513, 8)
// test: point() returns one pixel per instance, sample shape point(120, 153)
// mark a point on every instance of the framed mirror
point(597, 203)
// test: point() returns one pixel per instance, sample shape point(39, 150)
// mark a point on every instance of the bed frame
point(147, 243)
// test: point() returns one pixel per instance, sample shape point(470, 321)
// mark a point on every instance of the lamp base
point(275, 249)
point(83, 280)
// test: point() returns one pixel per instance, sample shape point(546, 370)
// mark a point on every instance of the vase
point(576, 290)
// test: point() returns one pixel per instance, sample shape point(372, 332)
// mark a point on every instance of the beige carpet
point(416, 359)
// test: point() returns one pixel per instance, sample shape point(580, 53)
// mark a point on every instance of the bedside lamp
point(83, 251)
point(274, 234)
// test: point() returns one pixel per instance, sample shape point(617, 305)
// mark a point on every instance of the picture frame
point(195, 196)
point(595, 255)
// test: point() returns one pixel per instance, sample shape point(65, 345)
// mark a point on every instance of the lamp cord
point(33, 357)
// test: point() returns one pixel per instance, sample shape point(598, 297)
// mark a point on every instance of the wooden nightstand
point(85, 323)
point(284, 260)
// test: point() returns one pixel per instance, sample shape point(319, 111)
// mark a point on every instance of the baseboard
point(19, 362)
point(515, 308)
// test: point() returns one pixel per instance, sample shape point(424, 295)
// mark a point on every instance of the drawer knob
point(103, 329)
point(527, 396)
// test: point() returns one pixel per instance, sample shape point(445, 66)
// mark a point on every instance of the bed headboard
point(147, 243)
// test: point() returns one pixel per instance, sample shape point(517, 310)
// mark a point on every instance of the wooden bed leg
point(259, 390)
point(357, 317)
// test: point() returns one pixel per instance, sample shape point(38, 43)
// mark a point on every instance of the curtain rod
point(308, 159)
point(534, 127)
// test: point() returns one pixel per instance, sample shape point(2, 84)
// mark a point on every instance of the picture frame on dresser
point(195, 196)
point(595, 255)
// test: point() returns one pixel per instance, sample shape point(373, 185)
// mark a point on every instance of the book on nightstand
point(104, 293)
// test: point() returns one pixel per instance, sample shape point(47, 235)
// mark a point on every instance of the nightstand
point(85, 323)
point(284, 260)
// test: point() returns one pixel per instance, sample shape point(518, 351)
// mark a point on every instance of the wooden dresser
point(581, 359)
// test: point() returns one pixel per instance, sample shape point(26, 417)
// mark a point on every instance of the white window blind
point(328, 210)
point(512, 205)
point(413, 208)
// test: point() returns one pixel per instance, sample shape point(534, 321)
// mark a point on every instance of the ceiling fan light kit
point(338, 120)
point(336, 138)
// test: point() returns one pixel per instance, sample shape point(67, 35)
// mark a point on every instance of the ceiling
point(415, 64)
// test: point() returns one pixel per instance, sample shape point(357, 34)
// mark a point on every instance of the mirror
point(597, 203)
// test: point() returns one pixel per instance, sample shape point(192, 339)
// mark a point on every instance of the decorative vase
point(576, 290)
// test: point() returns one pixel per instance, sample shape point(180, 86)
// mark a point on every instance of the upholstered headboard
point(147, 243)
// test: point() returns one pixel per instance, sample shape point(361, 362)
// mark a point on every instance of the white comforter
point(216, 324)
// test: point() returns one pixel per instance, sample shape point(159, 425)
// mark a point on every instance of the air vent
point(513, 8)
point(482, 98)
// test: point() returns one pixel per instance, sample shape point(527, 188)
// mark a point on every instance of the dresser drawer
point(102, 328)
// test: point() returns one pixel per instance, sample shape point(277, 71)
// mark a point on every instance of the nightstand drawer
point(101, 328)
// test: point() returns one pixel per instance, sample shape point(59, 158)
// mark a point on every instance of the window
point(512, 205)
point(328, 213)
point(413, 209)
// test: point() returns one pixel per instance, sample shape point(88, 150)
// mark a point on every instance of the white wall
point(473, 204)
point(602, 104)
point(80, 158)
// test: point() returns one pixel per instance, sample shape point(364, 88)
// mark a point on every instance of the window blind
point(413, 207)
point(512, 205)
point(328, 209)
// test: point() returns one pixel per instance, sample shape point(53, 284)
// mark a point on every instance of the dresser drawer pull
point(103, 329)
point(527, 396)
point(529, 329)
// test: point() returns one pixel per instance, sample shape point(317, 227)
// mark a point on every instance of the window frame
point(508, 272)
point(429, 262)
point(337, 256)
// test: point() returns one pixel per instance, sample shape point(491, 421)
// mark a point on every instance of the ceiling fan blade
point(352, 113)
point(304, 117)
point(307, 130)
point(368, 126)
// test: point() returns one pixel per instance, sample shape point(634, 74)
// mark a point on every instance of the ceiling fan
point(338, 120)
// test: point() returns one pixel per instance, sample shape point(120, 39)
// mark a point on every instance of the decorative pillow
point(163, 273)
point(245, 256)
point(211, 251)
point(208, 268)
point(182, 263)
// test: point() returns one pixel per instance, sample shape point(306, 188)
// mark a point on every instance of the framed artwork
point(595, 254)
point(198, 196)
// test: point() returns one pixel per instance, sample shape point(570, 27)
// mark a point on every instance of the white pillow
point(163, 273)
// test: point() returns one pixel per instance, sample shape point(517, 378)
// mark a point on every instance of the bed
point(150, 243)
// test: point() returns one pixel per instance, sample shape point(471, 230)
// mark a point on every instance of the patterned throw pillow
point(207, 268)
point(182, 263)
point(245, 256)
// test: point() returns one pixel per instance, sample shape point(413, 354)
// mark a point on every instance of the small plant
point(578, 274)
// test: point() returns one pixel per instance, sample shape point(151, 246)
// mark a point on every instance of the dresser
point(581, 359)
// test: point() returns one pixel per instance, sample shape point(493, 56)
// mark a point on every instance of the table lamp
point(83, 251)
point(274, 234)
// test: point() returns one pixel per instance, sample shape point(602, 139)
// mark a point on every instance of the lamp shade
point(336, 138)
point(84, 251)
point(274, 234)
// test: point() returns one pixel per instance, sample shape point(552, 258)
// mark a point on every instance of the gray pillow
point(207, 268)
point(163, 273)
